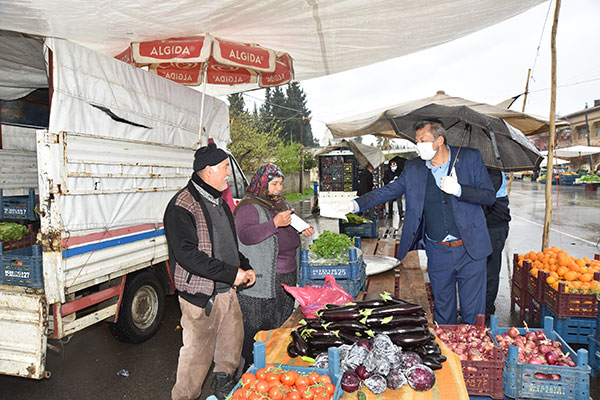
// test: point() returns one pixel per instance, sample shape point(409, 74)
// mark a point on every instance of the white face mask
point(393, 168)
point(425, 150)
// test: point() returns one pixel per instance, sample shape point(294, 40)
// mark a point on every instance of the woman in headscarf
point(266, 238)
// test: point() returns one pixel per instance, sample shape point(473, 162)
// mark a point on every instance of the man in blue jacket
point(445, 190)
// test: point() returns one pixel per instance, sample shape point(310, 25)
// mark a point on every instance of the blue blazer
point(476, 190)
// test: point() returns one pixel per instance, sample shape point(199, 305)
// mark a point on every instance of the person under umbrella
point(445, 192)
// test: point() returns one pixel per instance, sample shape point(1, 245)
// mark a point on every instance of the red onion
point(513, 332)
point(536, 360)
point(551, 357)
point(555, 377)
point(543, 348)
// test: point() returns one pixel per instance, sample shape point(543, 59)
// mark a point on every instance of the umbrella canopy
point(364, 153)
point(189, 60)
point(501, 145)
point(376, 122)
point(555, 161)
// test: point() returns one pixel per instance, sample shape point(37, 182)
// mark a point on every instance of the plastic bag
point(313, 298)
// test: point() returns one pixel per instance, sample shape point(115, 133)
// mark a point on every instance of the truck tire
point(142, 309)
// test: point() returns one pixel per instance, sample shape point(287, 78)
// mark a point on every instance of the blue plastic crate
point(18, 207)
point(22, 267)
point(353, 270)
point(367, 230)
point(519, 379)
point(350, 285)
point(573, 330)
point(333, 371)
point(594, 349)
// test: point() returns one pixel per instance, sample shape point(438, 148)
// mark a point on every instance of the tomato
point(300, 388)
point(274, 383)
point(322, 396)
point(271, 377)
point(330, 388)
point(275, 393)
point(314, 376)
point(248, 377)
point(293, 373)
point(262, 386)
point(303, 380)
point(293, 395)
point(271, 368)
point(324, 379)
point(287, 379)
point(318, 389)
point(308, 394)
point(255, 396)
point(261, 374)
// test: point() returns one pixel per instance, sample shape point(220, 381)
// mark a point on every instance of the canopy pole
point(552, 133)
point(522, 110)
point(204, 79)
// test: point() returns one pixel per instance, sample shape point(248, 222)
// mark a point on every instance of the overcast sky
point(489, 66)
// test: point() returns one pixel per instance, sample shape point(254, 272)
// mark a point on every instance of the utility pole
point(587, 127)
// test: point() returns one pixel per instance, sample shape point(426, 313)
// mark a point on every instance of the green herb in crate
point(12, 231)
point(331, 245)
point(355, 219)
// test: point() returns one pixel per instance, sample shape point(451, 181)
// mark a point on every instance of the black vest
point(439, 215)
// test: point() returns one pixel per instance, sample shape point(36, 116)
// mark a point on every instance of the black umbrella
point(501, 145)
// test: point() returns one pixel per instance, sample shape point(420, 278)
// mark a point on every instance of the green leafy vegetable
point(12, 231)
point(355, 219)
point(588, 179)
point(331, 245)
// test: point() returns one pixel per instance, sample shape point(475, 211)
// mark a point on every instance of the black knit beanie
point(208, 155)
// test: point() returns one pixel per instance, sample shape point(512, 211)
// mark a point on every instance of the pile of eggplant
point(336, 325)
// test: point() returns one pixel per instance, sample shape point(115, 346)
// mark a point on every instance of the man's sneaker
point(224, 383)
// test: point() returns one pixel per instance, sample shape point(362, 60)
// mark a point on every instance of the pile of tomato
point(275, 383)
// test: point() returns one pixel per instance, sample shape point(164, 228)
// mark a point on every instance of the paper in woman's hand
point(298, 223)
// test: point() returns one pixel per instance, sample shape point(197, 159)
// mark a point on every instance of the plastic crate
point(483, 378)
point(333, 371)
point(535, 310)
point(354, 269)
point(18, 207)
point(349, 285)
point(568, 305)
point(22, 267)
point(535, 284)
point(26, 241)
point(367, 230)
point(519, 379)
point(573, 330)
point(594, 350)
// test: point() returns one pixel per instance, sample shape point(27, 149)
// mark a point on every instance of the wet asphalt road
point(87, 365)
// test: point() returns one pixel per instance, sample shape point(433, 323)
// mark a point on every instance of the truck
point(102, 156)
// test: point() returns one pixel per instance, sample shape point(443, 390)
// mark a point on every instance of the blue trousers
point(447, 267)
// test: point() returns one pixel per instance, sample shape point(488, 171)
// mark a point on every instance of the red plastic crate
point(483, 378)
point(520, 297)
point(535, 285)
point(535, 310)
point(568, 305)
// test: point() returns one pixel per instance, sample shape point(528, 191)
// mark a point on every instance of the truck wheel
point(142, 309)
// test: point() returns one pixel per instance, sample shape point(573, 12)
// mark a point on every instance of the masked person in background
point(445, 189)
point(395, 168)
point(263, 220)
point(208, 266)
point(497, 217)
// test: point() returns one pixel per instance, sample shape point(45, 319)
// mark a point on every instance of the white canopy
point(576, 151)
point(377, 122)
point(323, 36)
point(555, 161)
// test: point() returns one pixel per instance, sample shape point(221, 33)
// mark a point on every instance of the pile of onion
point(470, 342)
point(535, 348)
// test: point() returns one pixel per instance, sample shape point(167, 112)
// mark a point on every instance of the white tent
point(323, 36)
point(576, 151)
point(555, 161)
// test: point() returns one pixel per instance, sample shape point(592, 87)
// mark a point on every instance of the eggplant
point(307, 333)
point(438, 357)
point(301, 345)
point(348, 306)
point(395, 320)
point(350, 325)
point(432, 363)
point(339, 315)
point(325, 343)
point(400, 330)
point(393, 309)
point(410, 340)
point(349, 337)
point(291, 349)
point(314, 323)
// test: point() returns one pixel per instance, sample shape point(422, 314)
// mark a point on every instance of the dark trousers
point(498, 237)
point(400, 208)
point(447, 267)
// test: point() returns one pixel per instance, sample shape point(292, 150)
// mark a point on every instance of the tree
point(236, 105)
point(250, 144)
point(300, 124)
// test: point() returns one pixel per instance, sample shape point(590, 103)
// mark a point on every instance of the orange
point(551, 261)
point(562, 271)
point(586, 277)
point(534, 272)
point(551, 280)
point(571, 275)
point(580, 262)
point(554, 275)
point(553, 267)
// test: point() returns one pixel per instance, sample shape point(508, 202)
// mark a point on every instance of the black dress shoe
point(224, 383)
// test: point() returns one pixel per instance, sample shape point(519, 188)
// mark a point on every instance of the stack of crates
point(18, 207)
point(518, 289)
point(523, 380)
point(351, 276)
point(594, 347)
